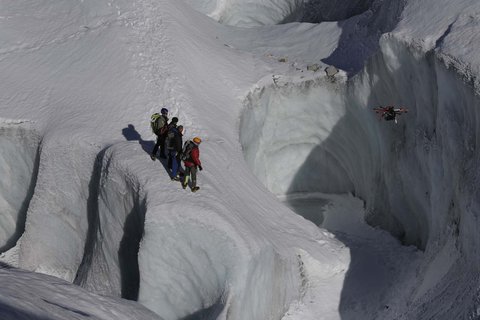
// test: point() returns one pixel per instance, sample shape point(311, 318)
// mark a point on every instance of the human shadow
point(131, 134)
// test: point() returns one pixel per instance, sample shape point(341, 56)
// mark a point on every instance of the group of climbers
point(170, 143)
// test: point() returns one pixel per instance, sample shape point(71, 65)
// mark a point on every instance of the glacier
point(311, 206)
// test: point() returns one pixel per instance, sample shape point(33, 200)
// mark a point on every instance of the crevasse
point(418, 178)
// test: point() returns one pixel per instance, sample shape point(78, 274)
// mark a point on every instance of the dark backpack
point(187, 150)
point(169, 140)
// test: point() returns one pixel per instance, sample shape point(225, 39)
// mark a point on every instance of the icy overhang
point(251, 13)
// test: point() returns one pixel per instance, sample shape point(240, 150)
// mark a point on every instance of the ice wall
point(431, 190)
point(432, 152)
point(19, 146)
point(418, 178)
point(116, 215)
point(281, 128)
point(94, 241)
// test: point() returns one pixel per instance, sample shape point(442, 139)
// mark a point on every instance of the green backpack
point(157, 122)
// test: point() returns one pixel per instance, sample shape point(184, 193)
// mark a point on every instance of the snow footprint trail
point(379, 266)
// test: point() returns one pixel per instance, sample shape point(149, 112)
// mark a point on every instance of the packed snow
point(310, 207)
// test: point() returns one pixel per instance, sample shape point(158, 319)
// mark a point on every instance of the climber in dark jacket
point(161, 132)
point(174, 148)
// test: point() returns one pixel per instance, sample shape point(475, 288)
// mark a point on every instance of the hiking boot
point(152, 156)
point(176, 178)
point(195, 189)
point(184, 185)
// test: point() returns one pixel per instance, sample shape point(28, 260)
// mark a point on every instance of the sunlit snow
point(310, 207)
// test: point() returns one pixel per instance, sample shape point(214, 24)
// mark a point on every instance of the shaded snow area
point(19, 167)
point(311, 206)
point(27, 295)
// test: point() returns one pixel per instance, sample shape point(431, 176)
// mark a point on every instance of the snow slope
point(27, 295)
point(86, 203)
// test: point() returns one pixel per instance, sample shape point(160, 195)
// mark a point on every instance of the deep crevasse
point(417, 178)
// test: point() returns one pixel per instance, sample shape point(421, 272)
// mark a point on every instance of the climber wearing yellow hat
point(191, 160)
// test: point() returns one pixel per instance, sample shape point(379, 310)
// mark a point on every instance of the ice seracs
point(89, 75)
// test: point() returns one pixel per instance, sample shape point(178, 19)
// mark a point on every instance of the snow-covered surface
point(81, 200)
point(27, 295)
